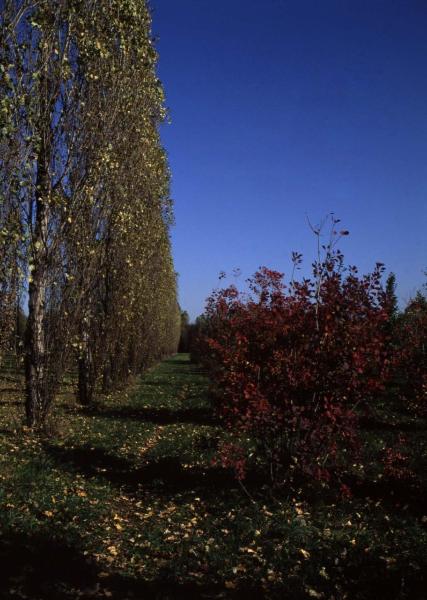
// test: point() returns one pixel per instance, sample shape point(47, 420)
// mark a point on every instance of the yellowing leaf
point(230, 585)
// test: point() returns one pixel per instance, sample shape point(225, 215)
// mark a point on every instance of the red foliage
point(293, 362)
point(410, 356)
point(395, 461)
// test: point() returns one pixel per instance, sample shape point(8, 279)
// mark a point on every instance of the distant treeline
point(84, 197)
point(189, 333)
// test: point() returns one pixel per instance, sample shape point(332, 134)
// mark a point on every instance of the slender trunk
point(18, 332)
point(85, 385)
point(107, 373)
point(107, 379)
point(37, 389)
point(86, 374)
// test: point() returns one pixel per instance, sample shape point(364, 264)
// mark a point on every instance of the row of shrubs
point(296, 365)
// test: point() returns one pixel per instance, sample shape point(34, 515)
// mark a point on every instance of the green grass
point(124, 502)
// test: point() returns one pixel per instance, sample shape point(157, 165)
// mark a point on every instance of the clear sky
point(281, 109)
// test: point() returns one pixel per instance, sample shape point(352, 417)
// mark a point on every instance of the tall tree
point(391, 298)
point(85, 185)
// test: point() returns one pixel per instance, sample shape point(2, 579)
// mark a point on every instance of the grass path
point(124, 502)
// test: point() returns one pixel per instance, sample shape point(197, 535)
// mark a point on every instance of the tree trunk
point(86, 374)
point(107, 373)
point(36, 376)
point(107, 380)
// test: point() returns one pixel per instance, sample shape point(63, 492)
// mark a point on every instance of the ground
point(125, 501)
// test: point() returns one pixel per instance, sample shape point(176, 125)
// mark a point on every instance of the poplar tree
point(84, 190)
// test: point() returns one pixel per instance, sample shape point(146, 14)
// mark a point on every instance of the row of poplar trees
point(84, 196)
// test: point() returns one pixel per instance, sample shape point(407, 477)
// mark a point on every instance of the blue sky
point(286, 109)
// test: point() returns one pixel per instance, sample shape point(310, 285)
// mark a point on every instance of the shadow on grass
point(173, 366)
point(168, 474)
point(395, 494)
point(159, 416)
point(37, 566)
point(180, 360)
point(43, 568)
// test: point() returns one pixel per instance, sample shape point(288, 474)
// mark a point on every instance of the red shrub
point(395, 461)
point(293, 362)
point(410, 356)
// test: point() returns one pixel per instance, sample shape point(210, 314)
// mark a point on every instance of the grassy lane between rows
point(124, 501)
